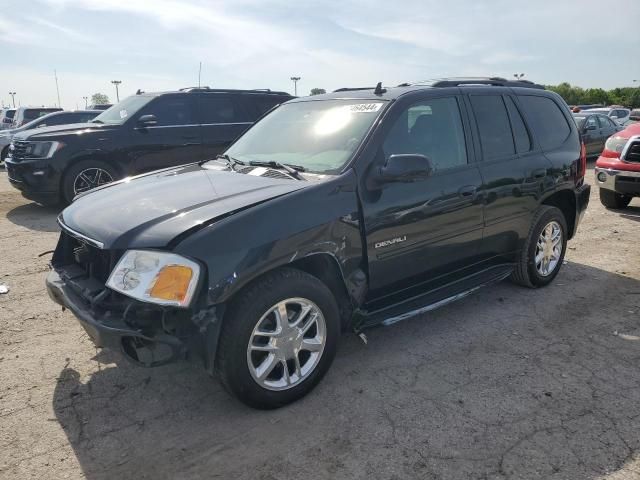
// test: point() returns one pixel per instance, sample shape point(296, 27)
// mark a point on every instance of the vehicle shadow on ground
point(509, 382)
point(632, 212)
point(35, 217)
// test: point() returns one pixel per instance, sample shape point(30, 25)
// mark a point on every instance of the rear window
point(494, 127)
point(547, 120)
point(33, 113)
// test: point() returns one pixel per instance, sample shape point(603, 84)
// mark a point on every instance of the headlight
point(43, 149)
point(156, 277)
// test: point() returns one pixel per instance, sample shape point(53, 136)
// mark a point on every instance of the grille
point(96, 263)
point(19, 150)
point(622, 178)
point(633, 153)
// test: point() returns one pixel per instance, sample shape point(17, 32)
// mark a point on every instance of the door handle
point(467, 191)
point(539, 173)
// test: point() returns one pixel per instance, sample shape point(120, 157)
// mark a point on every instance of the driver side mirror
point(147, 121)
point(405, 168)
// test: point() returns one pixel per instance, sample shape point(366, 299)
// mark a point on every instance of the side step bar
point(435, 298)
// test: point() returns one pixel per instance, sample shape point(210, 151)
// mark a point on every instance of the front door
point(430, 229)
point(173, 140)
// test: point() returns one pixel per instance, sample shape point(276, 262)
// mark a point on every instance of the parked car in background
point(144, 132)
point(6, 118)
point(618, 114)
point(595, 129)
point(102, 106)
point(405, 199)
point(617, 170)
point(49, 120)
point(26, 114)
point(634, 116)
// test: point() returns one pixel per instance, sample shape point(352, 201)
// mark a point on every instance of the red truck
point(618, 168)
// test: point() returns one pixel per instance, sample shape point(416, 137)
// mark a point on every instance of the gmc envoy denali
point(335, 212)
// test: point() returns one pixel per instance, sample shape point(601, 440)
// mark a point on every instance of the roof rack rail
point(353, 89)
point(495, 81)
point(231, 90)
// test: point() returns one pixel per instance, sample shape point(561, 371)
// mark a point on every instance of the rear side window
point(494, 127)
point(520, 133)
point(547, 120)
point(216, 108)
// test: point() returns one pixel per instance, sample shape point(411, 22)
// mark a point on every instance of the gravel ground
point(507, 383)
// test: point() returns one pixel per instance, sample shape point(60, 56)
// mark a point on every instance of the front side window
point(496, 138)
point(604, 122)
point(320, 136)
point(591, 122)
point(123, 111)
point(432, 128)
point(171, 111)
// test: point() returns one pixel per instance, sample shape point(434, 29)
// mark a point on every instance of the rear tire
point(3, 155)
point(252, 355)
point(541, 257)
point(611, 199)
point(84, 176)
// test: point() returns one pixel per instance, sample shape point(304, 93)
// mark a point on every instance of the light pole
point(518, 76)
point(116, 83)
point(85, 102)
point(295, 85)
point(13, 98)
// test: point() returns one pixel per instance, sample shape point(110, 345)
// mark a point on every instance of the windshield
point(320, 136)
point(121, 112)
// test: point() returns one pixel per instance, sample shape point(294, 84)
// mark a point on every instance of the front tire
point(278, 339)
point(611, 199)
point(85, 176)
point(543, 253)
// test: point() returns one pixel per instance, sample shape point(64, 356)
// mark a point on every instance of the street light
point(518, 76)
point(116, 83)
point(85, 102)
point(295, 85)
point(13, 98)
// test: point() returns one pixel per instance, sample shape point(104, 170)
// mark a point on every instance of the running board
point(435, 298)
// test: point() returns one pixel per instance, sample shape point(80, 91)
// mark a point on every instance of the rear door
point(174, 140)
point(513, 171)
point(223, 118)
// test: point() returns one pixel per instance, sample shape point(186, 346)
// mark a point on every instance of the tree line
point(574, 95)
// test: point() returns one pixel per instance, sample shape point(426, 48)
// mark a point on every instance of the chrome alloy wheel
point(549, 248)
point(90, 178)
point(286, 344)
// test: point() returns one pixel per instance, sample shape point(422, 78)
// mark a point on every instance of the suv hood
point(51, 133)
point(152, 209)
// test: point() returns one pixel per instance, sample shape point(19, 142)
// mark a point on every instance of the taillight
point(583, 162)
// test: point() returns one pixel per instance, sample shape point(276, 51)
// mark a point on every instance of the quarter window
point(432, 128)
point(547, 120)
point(494, 127)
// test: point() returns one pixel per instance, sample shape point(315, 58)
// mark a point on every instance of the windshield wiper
point(293, 170)
point(231, 162)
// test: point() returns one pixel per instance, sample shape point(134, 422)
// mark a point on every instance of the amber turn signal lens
point(172, 283)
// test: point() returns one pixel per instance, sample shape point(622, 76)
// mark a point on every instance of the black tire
point(70, 176)
point(526, 272)
point(232, 363)
point(611, 199)
point(3, 154)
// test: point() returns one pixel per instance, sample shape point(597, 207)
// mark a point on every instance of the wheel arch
point(565, 201)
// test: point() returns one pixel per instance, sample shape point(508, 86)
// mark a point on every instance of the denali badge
point(386, 243)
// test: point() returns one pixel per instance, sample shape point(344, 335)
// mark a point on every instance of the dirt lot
point(508, 383)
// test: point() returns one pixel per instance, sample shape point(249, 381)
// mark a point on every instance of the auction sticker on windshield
point(365, 107)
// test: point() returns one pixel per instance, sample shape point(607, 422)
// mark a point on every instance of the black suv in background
point(334, 212)
point(144, 132)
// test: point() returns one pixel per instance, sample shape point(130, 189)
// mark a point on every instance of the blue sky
point(157, 44)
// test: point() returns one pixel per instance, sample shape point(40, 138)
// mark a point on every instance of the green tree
point(99, 99)
point(317, 91)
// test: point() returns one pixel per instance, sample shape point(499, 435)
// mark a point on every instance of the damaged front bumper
point(150, 342)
